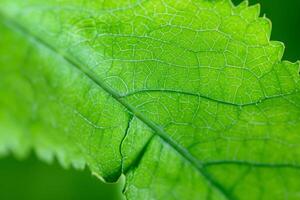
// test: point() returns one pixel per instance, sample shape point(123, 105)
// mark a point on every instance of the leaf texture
point(188, 99)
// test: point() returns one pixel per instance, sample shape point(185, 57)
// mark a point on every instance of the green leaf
point(188, 99)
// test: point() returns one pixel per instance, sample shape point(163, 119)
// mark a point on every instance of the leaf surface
point(189, 99)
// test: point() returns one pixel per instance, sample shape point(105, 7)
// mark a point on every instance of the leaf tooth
point(78, 164)
point(251, 13)
point(63, 159)
point(268, 26)
point(280, 47)
point(45, 155)
point(224, 7)
point(259, 32)
point(243, 4)
point(240, 7)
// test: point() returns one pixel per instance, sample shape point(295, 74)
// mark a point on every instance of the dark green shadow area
point(35, 180)
point(285, 17)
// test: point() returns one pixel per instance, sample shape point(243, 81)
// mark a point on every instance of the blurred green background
point(34, 180)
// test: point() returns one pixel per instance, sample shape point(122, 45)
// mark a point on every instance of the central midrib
point(157, 129)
